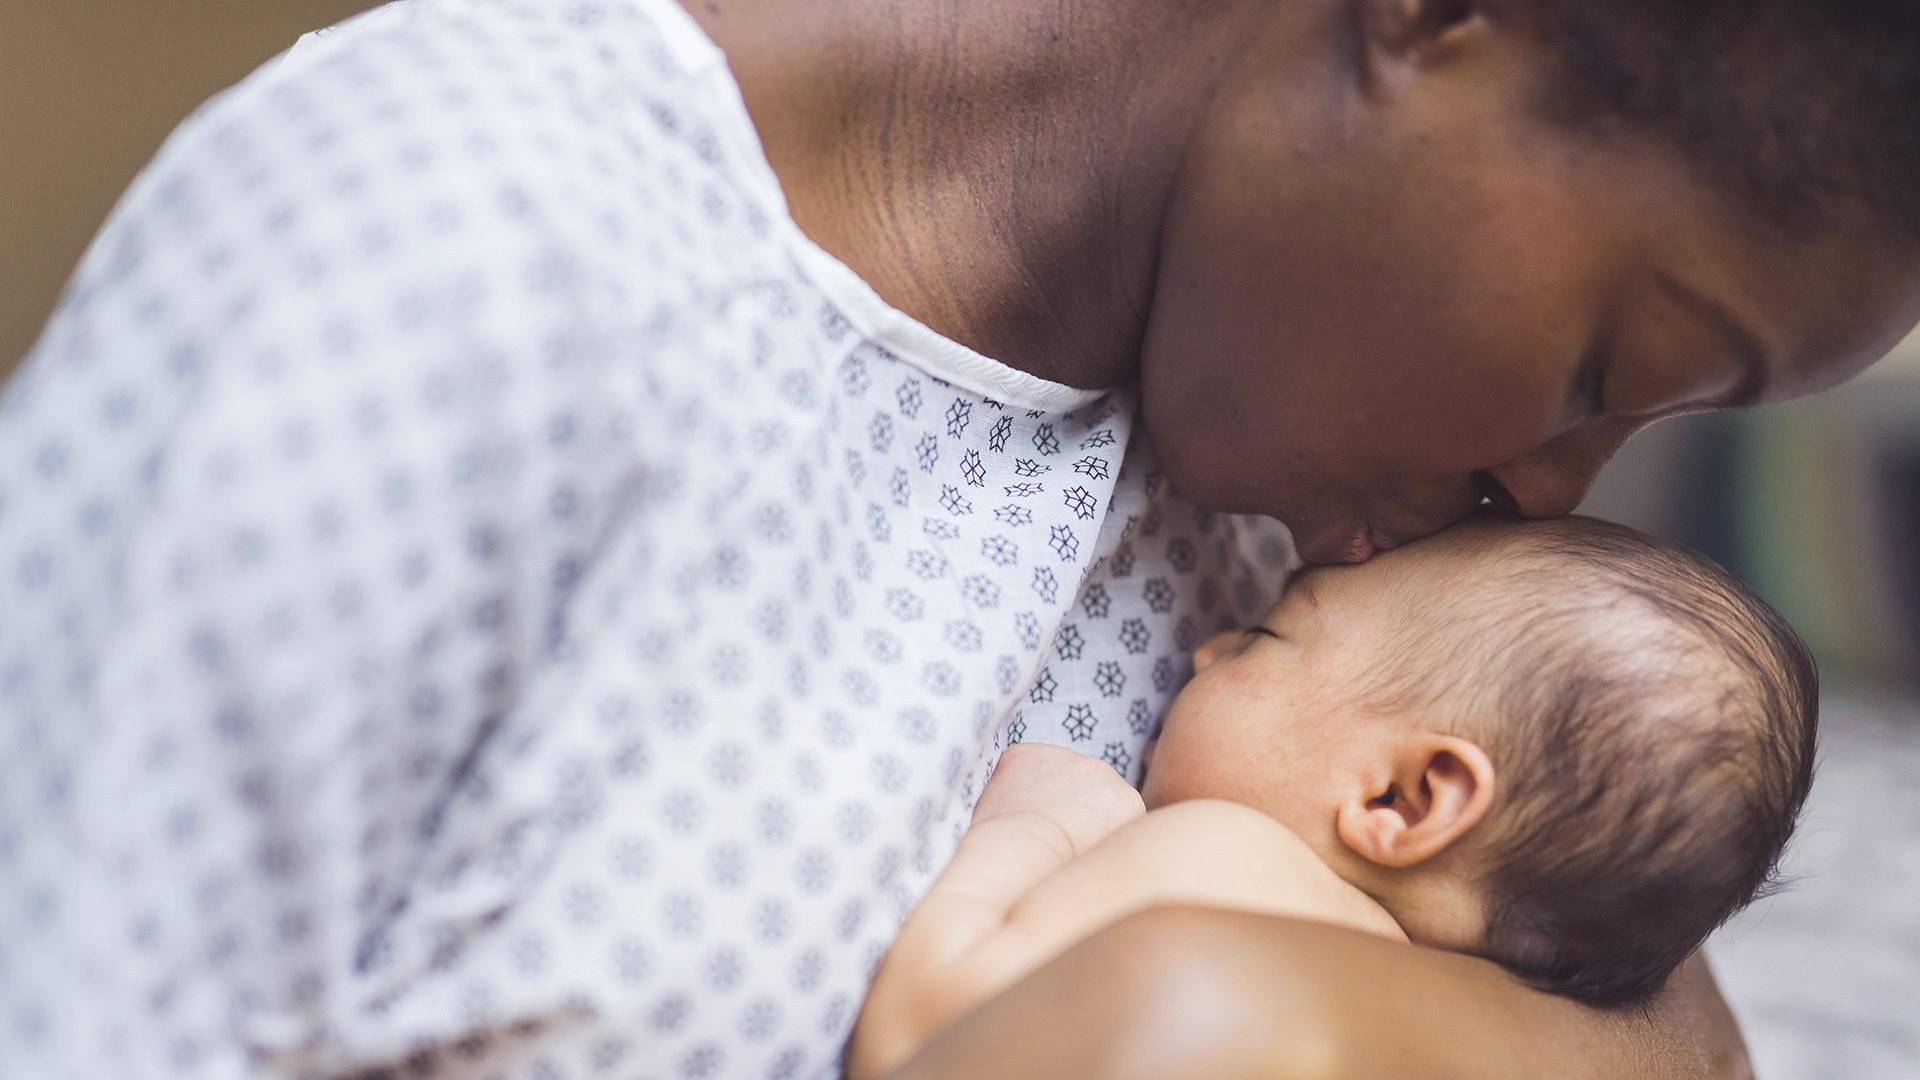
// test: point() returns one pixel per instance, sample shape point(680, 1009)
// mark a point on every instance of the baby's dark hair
point(1651, 724)
point(1657, 746)
point(1803, 107)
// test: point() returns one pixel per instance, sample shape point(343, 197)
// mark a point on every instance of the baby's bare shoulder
point(1210, 826)
point(1232, 855)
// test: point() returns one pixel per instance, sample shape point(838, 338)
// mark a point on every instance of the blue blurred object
point(1816, 504)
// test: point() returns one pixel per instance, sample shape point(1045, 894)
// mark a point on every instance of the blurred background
point(1817, 504)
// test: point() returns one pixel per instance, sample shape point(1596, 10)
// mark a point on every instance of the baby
point(1558, 745)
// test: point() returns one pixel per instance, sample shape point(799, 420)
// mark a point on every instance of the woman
point(497, 589)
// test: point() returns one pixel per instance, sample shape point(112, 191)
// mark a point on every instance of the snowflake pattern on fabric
point(481, 602)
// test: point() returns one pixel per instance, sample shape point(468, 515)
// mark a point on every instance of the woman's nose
point(1554, 480)
point(1214, 648)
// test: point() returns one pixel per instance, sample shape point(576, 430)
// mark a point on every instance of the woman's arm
point(1181, 992)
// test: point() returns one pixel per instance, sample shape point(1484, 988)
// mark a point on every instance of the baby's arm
point(1057, 851)
point(1043, 806)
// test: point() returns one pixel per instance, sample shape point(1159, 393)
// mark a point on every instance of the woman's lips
point(1359, 547)
point(1356, 546)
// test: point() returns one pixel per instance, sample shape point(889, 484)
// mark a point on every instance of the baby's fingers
point(1082, 794)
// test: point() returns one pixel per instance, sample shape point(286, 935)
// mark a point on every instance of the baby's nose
point(1214, 648)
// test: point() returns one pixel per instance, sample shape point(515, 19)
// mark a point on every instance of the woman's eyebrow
point(1755, 372)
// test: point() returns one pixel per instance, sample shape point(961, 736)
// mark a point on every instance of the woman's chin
point(1338, 545)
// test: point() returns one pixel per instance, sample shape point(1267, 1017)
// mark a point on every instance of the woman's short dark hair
point(1804, 108)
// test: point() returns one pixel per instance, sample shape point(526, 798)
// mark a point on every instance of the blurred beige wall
point(88, 89)
point(1904, 363)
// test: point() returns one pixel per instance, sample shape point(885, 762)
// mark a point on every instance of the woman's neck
point(998, 169)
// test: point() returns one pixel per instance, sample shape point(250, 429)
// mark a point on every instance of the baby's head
point(1560, 745)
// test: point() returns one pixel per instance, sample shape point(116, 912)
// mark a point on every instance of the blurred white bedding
point(1826, 976)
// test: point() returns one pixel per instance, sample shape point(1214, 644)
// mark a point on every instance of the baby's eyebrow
point(1299, 582)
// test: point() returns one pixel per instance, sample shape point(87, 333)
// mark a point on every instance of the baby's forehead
point(1491, 538)
point(1580, 552)
point(1573, 583)
point(1562, 584)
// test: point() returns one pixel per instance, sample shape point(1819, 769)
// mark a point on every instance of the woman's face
point(1423, 296)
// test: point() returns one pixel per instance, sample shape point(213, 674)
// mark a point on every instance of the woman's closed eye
point(1590, 387)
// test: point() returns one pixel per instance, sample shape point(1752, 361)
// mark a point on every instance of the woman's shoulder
point(598, 128)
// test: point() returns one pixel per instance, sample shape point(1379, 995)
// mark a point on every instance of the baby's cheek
point(1181, 768)
point(1166, 780)
point(1205, 739)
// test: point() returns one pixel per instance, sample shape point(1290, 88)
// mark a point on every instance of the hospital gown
point(482, 594)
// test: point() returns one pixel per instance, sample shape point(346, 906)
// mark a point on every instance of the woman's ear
point(1411, 29)
point(1434, 789)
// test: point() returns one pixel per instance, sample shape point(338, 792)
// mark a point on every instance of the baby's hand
point(1080, 794)
point(1044, 807)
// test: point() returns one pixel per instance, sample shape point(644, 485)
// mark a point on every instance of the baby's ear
point(1433, 790)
